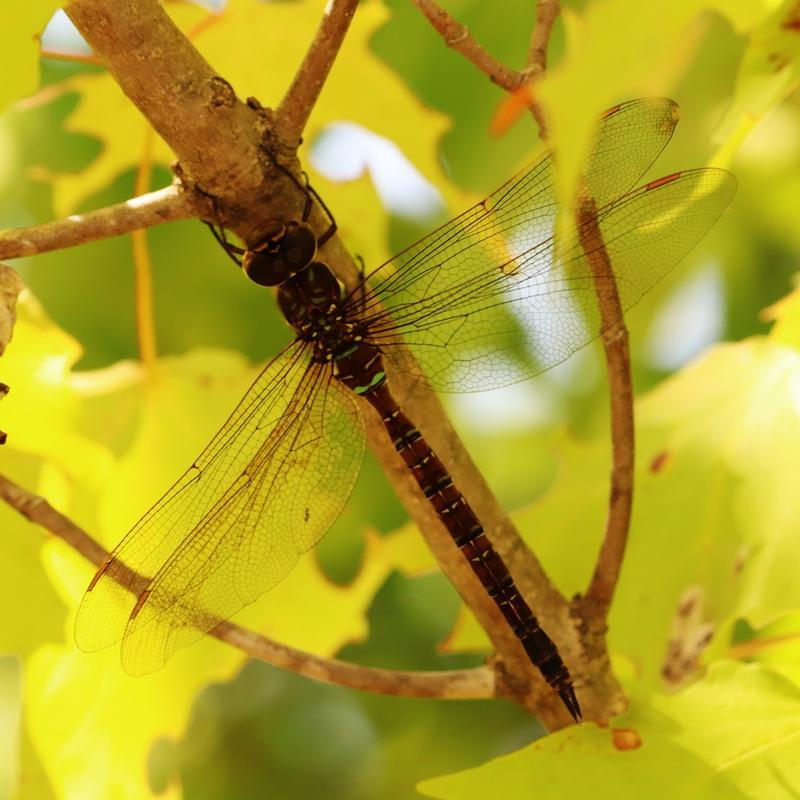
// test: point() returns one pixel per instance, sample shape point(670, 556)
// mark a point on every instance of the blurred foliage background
point(399, 141)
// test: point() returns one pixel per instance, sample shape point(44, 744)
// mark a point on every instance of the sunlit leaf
point(775, 645)
point(134, 430)
point(715, 513)
point(19, 48)
point(648, 63)
point(732, 735)
point(10, 718)
point(769, 70)
point(786, 314)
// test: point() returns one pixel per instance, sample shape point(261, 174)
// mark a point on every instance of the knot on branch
point(222, 94)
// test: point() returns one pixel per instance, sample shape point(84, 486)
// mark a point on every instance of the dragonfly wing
point(527, 304)
point(629, 138)
point(267, 488)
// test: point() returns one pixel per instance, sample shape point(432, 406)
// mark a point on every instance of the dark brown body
point(311, 302)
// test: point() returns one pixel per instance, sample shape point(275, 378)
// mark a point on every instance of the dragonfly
point(489, 298)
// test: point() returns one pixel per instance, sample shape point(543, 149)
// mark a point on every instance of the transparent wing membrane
point(492, 298)
point(629, 139)
point(267, 488)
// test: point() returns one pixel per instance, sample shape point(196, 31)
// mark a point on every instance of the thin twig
point(63, 55)
point(165, 205)
point(468, 684)
point(457, 37)
point(293, 112)
point(615, 347)
point(515, 82)
point(547, 12)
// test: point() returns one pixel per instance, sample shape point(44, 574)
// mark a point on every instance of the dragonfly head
point(281, 253)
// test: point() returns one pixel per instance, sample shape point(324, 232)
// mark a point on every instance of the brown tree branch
point(468, 684)
point(191, 107)
point(457, 37)
point(547, 12)
point(165, 205)
point(615, 346)
point(217, 138)
point(292, 114)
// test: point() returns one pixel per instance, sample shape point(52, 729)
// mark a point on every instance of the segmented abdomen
point(361, 368)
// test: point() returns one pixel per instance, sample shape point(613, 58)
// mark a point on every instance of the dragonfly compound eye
point(280, 255)
point(298, 246)
point(265, 269)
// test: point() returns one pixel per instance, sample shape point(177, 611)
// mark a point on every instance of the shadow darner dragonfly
point(487, 299)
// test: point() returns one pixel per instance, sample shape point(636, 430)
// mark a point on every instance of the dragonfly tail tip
point(567, 694)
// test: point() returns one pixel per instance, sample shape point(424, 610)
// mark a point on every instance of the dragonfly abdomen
point(470, 538)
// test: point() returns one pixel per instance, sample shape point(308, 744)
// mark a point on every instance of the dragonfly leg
point(233, 251)
point(218, 230)
point(332, 228)
point(362, 271)
point(310, 194)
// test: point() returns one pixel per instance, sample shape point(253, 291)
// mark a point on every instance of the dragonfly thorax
point(311, 302)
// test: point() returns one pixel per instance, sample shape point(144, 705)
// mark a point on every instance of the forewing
point(628, 140)
point(460, 329)
point(266, 489)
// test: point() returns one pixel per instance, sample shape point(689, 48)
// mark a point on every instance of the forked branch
point(468, 684)
point(547, 12)
point(457, 37)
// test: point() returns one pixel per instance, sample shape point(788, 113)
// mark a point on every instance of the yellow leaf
point(786, 314)
point(712, 740)
point(116, 439)
point(768, 71)
point(19, 48)
point(606, 63)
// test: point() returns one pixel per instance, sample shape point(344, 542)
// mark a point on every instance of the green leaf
point(733, 735)
point(716, 511)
